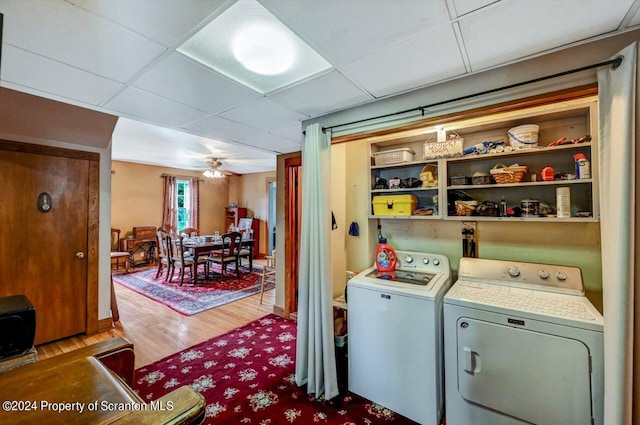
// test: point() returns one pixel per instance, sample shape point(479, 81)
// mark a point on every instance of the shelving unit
point(570, 119)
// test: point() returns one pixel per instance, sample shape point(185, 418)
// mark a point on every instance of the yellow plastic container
point(397, 205)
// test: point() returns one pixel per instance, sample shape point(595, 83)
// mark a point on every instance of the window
point(183, 202)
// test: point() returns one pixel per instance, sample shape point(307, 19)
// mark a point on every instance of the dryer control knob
point(543, 274)
point(561, 276)
point(425, 261)
point(513, 271)
point(408, 259)
point(436, 262)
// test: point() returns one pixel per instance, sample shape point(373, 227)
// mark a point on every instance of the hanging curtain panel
point(170, 193)
point(315, 350)
point(194, 203)
point(618, 110)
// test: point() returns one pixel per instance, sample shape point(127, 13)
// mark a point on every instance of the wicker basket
point(464, 209)
point(504, 175)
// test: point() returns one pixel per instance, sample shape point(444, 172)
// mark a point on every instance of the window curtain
point(315, 350)
point(617, 103)
point(169, 210)
point(194, 203)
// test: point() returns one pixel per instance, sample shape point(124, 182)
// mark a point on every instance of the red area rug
point(247, 377)
point(190, 299)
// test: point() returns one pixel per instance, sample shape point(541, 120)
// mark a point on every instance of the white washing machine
point(523, 345)
point(395, 335)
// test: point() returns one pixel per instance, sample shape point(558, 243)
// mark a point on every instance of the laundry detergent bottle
point(385, 256)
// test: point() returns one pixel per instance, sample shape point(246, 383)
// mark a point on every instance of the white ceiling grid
point(120, 57)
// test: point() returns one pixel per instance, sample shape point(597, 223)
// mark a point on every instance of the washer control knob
point(408, 259)
point(561, 276)
point(513, 271)
point(436, 262)
point(543, 274)
point(425, 261)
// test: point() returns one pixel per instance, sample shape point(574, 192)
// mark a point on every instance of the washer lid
point(404, 276)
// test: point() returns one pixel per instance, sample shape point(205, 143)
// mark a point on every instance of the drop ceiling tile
point(512, 30)
point(183, 80)
point(54, 78)
point(136, 103)
point(223, 129)
point(263, 114)
point(320, 95)
point(462, 7)
point(293, 133)
point(347, 30)
point(68, 34)
point(423, 60)
point(273, 143)
point(167, 22)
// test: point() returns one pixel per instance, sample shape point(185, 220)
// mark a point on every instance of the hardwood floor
point(157, 331)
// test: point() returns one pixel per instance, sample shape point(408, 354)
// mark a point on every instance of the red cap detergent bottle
point(385, 256)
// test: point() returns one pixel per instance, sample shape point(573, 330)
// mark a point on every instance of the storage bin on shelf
point(394, 205)
point(460, 180)
point(393, 156)
point(512, 174)
point(524, 136)
point(480, 178)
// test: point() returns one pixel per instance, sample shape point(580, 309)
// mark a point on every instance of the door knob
point(80, 254)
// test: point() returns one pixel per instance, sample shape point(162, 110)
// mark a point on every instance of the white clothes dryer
point(395, 335)
point(523, 345)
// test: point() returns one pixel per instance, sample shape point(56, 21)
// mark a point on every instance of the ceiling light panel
point(251, 46)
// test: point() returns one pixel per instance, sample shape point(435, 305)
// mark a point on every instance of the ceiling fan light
point(208, 173)
point(217, 174)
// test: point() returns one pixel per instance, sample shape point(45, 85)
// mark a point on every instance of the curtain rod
point(615, 62)
point(180, 177)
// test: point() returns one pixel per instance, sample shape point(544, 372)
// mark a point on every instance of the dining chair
point(189, 231)
point(116, 254)
point(164, 258)
point(168, 229)
point(268, 269)
point(244, 252)
point(227, 254)
point(180, 258)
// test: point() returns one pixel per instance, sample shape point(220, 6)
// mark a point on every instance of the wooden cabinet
point(571, 119)
point(233, 216)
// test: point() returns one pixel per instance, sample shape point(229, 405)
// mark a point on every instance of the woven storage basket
point(503, 174)
point(464, 209)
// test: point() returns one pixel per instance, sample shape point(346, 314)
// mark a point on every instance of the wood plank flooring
point(156, 331)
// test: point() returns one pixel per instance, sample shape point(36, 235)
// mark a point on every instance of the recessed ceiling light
point(251, 46)
point(264, 49)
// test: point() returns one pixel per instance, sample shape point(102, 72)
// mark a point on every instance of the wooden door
point(293, 218)
point(44, 255)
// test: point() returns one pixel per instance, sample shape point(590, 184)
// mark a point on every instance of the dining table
point(204, 244)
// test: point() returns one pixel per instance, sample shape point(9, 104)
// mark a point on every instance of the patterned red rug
point(247, 376)
point(190, 299)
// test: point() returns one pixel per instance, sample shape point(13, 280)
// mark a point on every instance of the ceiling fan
point(214, 171)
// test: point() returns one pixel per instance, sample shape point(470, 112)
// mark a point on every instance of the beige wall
point(136, 197)
point(251, 191)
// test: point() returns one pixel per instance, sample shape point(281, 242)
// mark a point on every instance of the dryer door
point(535, 377)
